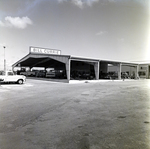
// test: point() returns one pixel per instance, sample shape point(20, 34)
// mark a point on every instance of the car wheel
point(20, 81)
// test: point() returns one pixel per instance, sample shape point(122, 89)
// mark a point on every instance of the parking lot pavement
point(16, 85)
point(8, 87)
point(47, 115)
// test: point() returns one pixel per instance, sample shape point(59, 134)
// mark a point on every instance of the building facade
point(80, 68)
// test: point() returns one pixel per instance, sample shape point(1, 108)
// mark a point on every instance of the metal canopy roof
point(50, 60)
point(41, 60)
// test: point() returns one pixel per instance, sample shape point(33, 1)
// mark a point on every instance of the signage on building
point(44, 51)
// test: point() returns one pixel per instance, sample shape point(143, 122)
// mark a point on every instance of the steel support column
point(96, 69)
point(137, 72)
point(68, 69)
point(119, 71)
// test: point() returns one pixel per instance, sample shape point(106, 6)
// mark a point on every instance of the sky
point(103, 29)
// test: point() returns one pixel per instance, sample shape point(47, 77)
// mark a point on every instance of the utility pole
point(4, 60)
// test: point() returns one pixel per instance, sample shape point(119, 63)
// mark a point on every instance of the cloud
point(16, 22)
point(101, 33)
point(80, 3)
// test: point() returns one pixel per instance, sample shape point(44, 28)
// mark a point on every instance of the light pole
point(4, 60)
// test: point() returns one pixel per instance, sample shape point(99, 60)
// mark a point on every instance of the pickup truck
point(9, 76)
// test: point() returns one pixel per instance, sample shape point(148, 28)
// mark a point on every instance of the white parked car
point(9, 76)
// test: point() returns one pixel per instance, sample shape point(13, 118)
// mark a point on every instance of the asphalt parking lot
point(47, 115)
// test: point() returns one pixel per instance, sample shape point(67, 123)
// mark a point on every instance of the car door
point(10, 77)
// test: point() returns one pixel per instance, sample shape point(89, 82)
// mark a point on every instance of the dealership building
point(68, 67)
